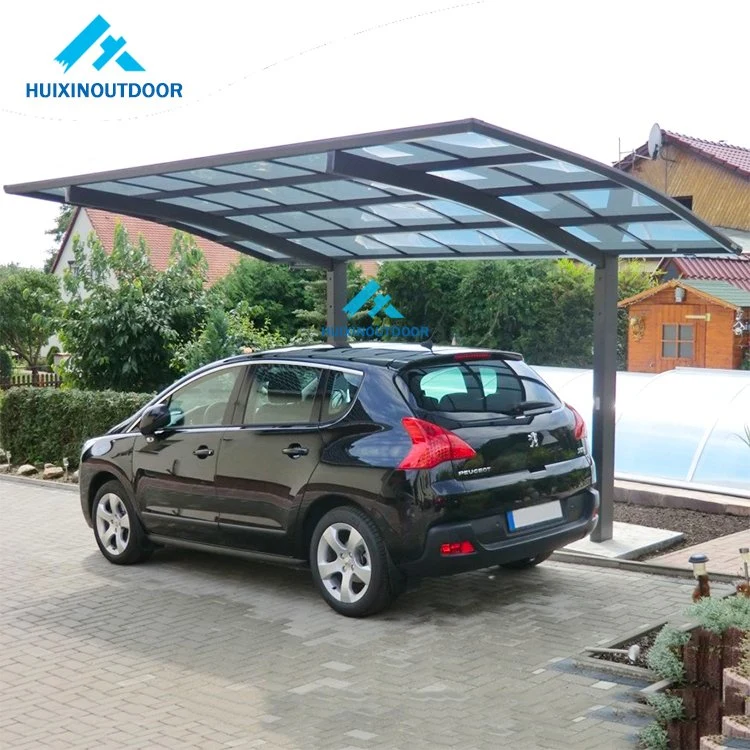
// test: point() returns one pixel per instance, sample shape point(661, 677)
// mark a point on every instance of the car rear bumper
point(530, 542)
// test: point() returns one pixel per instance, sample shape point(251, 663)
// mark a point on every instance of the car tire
point(117, 528)
point(526, 562)
point(350, 563)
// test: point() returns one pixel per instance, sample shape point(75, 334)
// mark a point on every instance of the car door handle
point(295, 450)
point(203, 452)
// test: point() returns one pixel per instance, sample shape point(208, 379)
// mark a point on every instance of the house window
point(677, 341)
point(686, 200)
point(73, 267)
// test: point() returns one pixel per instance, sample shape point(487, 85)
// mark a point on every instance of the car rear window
point(483, 386)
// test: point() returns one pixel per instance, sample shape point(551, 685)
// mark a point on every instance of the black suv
point(372, 463)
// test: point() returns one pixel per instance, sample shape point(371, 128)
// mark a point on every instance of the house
point(734, 270)
point(712, 178)
point(158, 237)
point(688, 323)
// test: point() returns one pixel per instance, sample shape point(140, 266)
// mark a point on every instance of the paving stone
point(199, 651)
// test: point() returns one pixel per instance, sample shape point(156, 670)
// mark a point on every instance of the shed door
point(681, 336)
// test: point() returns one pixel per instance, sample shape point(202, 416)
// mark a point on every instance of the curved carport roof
point(454, 190)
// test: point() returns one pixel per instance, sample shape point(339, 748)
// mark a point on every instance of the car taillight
point(579, 428)
point(456, 548)
point(432, 444)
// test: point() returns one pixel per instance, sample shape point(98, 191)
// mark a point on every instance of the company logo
point(110, 47)
point(370, 291)
point(381, 303)
point(112, 50)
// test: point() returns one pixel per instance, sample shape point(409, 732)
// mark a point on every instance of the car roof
point(384, 354)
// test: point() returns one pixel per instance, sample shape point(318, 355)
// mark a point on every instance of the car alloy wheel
point(113, 524)
point(343, 561)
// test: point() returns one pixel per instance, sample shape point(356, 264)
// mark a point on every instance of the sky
point(578, 74)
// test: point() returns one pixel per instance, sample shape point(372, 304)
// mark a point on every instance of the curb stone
point(40, 482)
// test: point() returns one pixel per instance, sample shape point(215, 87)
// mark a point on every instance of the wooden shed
point(687, 323)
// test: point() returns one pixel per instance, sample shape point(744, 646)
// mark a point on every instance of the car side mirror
point(154, 418)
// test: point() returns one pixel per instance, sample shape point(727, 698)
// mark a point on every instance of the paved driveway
point(199, 651)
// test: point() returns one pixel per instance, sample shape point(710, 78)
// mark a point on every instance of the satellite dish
point(654, 141)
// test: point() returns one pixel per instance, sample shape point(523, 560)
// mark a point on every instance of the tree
point(273, 292)
point(310, 319)
point(224, 335)
point(426, 293)
point(29, 311)
point(8, 268)
point(125, 319)
point(62, 222)
point(542, 308)
point(6, 364)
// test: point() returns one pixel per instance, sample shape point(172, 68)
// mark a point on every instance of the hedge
point(41, 425)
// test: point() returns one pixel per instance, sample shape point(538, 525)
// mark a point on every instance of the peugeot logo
point(533, 440)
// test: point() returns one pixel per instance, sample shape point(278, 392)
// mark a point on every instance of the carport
point(447, 191)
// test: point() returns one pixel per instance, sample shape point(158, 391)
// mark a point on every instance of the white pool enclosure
point(683, 428)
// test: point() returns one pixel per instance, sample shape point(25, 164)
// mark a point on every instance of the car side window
point(283, 395)
point(203, 402)
point(341, 390)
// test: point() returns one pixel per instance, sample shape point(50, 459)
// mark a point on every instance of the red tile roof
point(735, 271)
point(158, 237)
point(736, 158)
point(720, 269)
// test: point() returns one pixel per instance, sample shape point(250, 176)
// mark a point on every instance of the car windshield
point(483, 386)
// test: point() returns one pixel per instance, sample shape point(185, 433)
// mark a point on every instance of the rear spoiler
point(465, 356)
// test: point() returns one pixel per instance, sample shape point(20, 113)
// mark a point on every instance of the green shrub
point(6, 364)
point(654, 737)
point(45, 424)
point(663, 656)
point(668, 707)
point(718, 615)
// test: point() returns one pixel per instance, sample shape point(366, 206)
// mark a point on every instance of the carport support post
point(336, 320)
point(605, 378)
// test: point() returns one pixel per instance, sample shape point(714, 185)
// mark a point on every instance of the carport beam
point(605, 378)
point(336, 320)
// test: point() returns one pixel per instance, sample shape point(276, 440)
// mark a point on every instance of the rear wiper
point(524, 406)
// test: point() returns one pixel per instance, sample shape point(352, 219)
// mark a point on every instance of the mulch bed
point(696, 526)
point(645, 642)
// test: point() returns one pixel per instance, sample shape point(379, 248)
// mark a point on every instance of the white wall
point(81, 227)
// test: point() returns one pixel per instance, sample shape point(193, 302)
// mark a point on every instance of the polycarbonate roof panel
point(451, 190)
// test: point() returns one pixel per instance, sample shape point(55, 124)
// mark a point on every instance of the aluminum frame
point(220, 225)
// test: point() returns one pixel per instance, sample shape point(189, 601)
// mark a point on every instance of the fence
point(40, 379)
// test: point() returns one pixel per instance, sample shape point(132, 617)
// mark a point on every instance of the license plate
point(534, 514)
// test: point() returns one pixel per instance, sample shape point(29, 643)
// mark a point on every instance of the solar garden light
point(698, 561)
point(66, 464)
point(745, 554)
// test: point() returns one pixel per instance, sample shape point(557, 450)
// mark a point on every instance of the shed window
point(677, 341)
